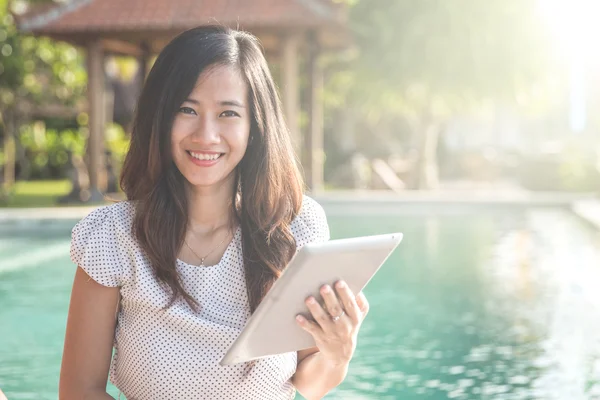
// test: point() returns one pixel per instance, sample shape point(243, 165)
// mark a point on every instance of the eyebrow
point(231, 103)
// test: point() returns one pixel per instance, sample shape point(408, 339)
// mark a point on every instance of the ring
point(337, 317)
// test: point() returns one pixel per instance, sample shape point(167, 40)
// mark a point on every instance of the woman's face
point(211, 129)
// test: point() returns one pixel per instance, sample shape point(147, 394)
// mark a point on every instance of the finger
point(362, 303)
point(333, 305)
point(320, 316)
point(311, 327)
point(348, 300)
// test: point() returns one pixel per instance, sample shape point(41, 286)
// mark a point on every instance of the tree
point(34, 72)
point(425, 60)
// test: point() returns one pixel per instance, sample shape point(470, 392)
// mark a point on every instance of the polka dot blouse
point(175, 353)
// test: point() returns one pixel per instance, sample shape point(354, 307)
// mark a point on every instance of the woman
point(214, 213)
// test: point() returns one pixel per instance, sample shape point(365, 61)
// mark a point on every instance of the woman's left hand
point(336, 326)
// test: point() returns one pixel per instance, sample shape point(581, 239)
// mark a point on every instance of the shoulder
point(100, 240)
point(118, 215)
point(104, 226)
point(311, 213)
point(310, 225)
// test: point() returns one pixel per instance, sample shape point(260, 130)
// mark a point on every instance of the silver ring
point(337, 317)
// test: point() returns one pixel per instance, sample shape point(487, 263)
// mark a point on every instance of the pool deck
point(585, 205)
point(588, 210)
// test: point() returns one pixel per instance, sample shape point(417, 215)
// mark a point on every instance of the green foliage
point(417, 63)
point(48, 149)
point(573, 168)
point(438, 56)
point(39, 70)
point(117, 141)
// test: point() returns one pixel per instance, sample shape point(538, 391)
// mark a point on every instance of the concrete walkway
point(588, 210)
point(381, 202)
point(50, 213)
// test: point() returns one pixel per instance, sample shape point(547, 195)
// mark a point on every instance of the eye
point(229, 113)
point(187, 110)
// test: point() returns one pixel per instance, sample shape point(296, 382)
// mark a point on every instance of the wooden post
point(10, 128)
point(274, 61)
point(96, 104)
point(313, 143)
point(290, 87)
point(144, 62)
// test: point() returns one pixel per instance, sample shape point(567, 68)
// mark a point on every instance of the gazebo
point(290, 31)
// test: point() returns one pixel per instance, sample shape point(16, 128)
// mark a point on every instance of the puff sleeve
point(95, 247)
point(310, 225)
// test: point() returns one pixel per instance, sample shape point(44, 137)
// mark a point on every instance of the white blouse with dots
point(174, 353)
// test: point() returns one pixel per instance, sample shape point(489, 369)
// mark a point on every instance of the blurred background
point(469, 125)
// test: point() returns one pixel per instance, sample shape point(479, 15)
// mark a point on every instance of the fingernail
point(311, 300)
point(300, 318)
point(341, 284)
point(326, 289)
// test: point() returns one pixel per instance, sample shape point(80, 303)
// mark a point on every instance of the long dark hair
point(268, 189)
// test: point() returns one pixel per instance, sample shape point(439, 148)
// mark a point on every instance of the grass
point(37, 193)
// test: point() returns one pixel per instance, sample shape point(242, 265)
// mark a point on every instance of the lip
point(204, 163)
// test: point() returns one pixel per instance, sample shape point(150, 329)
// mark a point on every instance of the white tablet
point(272, 329)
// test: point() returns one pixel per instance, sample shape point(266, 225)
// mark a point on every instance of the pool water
point(473, 305)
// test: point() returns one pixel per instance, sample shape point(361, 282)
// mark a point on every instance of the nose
point(206, 131)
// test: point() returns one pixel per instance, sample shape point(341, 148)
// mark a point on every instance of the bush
point(47, 150)
point(567, 171)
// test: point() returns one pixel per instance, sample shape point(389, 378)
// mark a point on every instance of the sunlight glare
point(574, 25)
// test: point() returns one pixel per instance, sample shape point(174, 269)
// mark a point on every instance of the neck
point(210, 208)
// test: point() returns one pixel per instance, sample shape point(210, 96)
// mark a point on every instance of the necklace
point(209, 253)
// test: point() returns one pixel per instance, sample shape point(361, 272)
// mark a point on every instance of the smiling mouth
point(205, 156)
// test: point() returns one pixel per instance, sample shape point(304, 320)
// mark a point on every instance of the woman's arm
point(324, 367)
point(88, 340)
point(315, 376)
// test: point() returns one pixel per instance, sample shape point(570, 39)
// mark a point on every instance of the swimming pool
point(475, 303)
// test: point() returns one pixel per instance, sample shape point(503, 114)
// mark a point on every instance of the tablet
point(272, 329)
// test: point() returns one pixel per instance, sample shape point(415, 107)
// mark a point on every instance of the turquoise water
point(473, 305)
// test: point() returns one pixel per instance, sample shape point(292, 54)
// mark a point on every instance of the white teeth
point(204, 156)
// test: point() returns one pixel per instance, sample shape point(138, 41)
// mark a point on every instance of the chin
point(207, 182)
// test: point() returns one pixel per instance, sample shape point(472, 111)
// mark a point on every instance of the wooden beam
point(269, 40)
point(290, 86)
point(10, 128)
point(144, 62)
point(29, 110)
point(121, 47)
point(95, 145)
point(313, 143)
